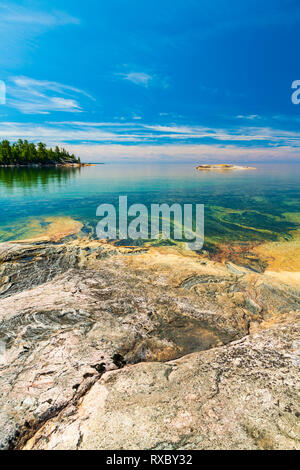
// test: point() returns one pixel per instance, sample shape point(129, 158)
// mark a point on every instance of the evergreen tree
point(25, 153)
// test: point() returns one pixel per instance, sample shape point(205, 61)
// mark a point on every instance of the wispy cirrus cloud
point(32, 96)
point(134, 141)
point(31, 83)
point(20, 25)
point(247, 134)
point(250, 117)
point(138, 78)
point(45, 105)
point(64, 132)
point(11, 13)
point(79, 133)
point(144, 79)
point(182, 153)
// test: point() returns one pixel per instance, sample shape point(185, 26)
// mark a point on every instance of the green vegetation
point(24, 153)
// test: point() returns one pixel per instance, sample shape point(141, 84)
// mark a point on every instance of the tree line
point(24, 153)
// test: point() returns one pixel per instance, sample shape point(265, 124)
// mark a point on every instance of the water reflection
point(13, 177)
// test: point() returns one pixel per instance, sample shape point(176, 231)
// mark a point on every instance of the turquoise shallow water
point(239, 206)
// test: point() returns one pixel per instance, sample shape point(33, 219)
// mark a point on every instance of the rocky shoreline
point(48, 165)
point(132, 348)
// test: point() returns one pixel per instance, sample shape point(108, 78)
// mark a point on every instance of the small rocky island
point(223, 166)
point(23, 153)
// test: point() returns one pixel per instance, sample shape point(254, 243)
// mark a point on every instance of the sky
point(159, 80)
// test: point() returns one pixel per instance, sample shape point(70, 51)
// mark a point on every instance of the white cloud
point(65, 104)
point(16, 14)
point(126, 131)
point(32, 96)
point(45, 105)
point(137, 141)
point(93, 124)
point(173, 129)
point(31, 84)
point(57, 133)
point(188, 153)
point(20, 26)
point(250, 117)
point(138, 78)
point(246, 134)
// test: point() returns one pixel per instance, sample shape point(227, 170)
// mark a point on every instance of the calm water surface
point(250, 205)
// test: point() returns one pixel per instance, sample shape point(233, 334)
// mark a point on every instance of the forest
point(24, 153)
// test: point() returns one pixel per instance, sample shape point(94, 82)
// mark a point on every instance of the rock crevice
point(152, 343)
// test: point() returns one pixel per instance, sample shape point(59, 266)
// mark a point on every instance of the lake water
point(239, 206)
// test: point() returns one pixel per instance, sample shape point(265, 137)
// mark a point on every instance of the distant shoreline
point(48, 165)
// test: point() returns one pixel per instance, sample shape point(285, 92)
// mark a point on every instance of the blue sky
point(169, 80)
